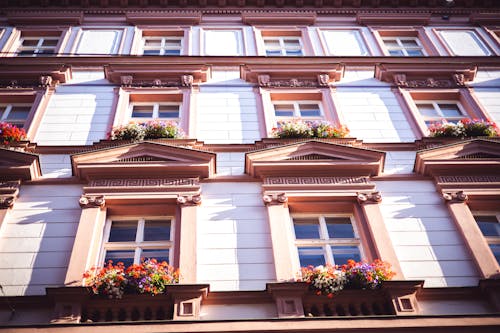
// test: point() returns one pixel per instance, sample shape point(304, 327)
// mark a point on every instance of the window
point(464, 43)
point(404, 46)
point(37, 45)
point(156, 45)
point(283, 46)
point(130, 240)
point(344, 43)
point(15, 114)
point(440, 111)
point(302, 109)
point(489, 224)
point(148, 111)
point(326, 239)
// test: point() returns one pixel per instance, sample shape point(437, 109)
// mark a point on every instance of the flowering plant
point(113, 281)
point(151, 276)
point(328, 279)
point(153, 129)
point(10, 133)
point(298, 128)
point(109, 280)
point(464, 128)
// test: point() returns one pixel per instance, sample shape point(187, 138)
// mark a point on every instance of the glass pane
point(427, 110)
point(25, 52)
point(396, 53)
point(273, 53)
point(339, 227)
point(272, 44)
point(19, 112)
point(168, 111)
point(123, 231)
point(151, 52)
point(173, 43)
point(495, 248)
point(2, 111)
point(489, 225)
point(158, 254)
point(450, 110)
point(409, 42)
point(309, 110)
point(50, 42)
point(343, 253)
point(283, 110)
point(124, 256)
point(311, 256)
point(415, 53)
point(172, 52)
point(30, 42)
point(293, 52)
point(152, 43)
point(306, 228)
point(156, 230)
point(142, 111)
point(292, 43)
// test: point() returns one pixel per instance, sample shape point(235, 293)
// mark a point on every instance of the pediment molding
point(472, 158)
point(287, 160)
point(15, 165)
point(127, 162)
point(440, 75)
point(306, 75)
point(33, 75)
point(165, 74)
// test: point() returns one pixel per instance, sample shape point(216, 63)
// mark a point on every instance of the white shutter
point(223, 42)
point(99, 42)
point(464, 43)
point(344, 43)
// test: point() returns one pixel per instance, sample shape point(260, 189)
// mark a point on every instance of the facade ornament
point(187, 80)
point(264, 80)
point(458, 196)
point(91, 201)
point(400, 80)
point(275, 199)
point(9, 186)
point(156, 83)
point(369, 197)
point(45, 81)
point(189, 200)
point(323, 80)
point(6, 201)
point(126, 80)
point(459, 79)
point(13, 84)
point(294, 82)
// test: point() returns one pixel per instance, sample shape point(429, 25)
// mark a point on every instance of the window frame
point(360, 36)
point(282, 46)
point(297, 111)
point(401, 47)
point(8, 109)
point(156, 107)
point(491, 240)
point(437, 109)
point(483, 43)
point(139, 244)
point(163, 47)
point(324, 240)
point(14, 41)
point(419, 33)
point(143, 32)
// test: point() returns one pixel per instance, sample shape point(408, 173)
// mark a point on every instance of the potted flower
point(464, 128)
point(109, 281)
point(154, 129)
point(10, 133)
point(298, 128)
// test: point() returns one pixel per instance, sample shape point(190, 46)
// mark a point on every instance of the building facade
point(236, 209)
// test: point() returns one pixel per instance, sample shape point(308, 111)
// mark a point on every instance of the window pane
point(158, 254)
point(142, 111)
point(343, 253)
point(391, 43)
point(292, 43)
point(311, 256)
point(309, 110)
point(489, 225)
point(306, 228)
point(427, 110)
point(495, 248)
point(272, 43)
point(152, 43)
point(156, 230)
point(30, 42)
point(172, 52)
point(294, 52)
point(409, 43)
point(283, 110)
point(450, 110)
point(151, 52)
point(168, 111)
point(19, 112)
point(273, 53)
point(173, 43)
point(50, 42)
point(124, 256)
point(339, 227)
point(415, 53)
point(123, 231)
point(396, 53)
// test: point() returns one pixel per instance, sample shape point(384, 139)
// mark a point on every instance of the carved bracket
point(8, 193)
point(322, 80)
point(6, 201)
point(92, 201)
point(458, 196)
point(369, 197)
point(275, 199)
point(189, 200)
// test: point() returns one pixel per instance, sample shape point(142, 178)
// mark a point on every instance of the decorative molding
point(469, 179)
point(458, 196)
point(91, 201)
point(315, 180)
point(369, 197)
point(264, 80)
point(9, 187)
point(189, 200)
point(146, 182)
point(6, 201)
point(419, 19)
point(34, 75)
point(281, 18)
point(275, 199)
point(160, 17)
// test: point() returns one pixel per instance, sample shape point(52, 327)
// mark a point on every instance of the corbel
point(91, 201)
point(459, 196)
point(8, 193)
point(275, 199)
point(189, 200)
point(369, 197)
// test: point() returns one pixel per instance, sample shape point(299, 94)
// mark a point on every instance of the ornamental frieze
point(162, 183)
point(469, 179)
point(322, 80)
point(316, 181)
point(183, 81)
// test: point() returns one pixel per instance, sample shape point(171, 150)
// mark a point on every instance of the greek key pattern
point(469, 179)
point(164, 182)
point(315, 180)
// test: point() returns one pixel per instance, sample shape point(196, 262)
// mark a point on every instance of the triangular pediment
point(147, 159)
point(16, 165)
point(468, 157)
point(314, 158)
